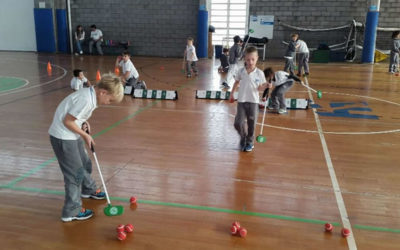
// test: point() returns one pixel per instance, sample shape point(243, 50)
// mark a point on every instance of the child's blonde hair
point(250, 50)
point(113, 85)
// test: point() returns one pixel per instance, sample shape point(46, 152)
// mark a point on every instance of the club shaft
point(265, 110)
point(101, 177)
point(308, 87)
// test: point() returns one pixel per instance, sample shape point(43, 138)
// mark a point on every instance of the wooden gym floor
point(181, 159)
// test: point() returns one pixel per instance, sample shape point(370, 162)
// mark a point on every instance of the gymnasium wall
point(154, 28)
point(322, 14)
point(17, 26)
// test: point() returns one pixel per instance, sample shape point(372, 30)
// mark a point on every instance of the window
point(229, 17)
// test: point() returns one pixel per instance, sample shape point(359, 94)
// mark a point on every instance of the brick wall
point(160, 27)
point(322, 14)
point(154, 27)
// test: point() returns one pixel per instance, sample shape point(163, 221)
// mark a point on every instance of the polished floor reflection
point(181, 159)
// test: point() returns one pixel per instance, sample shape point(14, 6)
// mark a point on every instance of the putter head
point(113, 210)
point(261, 139)
point(319, 94)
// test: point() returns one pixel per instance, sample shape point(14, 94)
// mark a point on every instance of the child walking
point(394, 53)
point(67, 138)
point(304, 55)
point(282, 82)
point(234, 56)
point(79, 80)
point(251, 80)
point(190, 58)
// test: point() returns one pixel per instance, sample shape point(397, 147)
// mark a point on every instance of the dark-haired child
point(79, 80)
point(394, 53)
point(282, 82)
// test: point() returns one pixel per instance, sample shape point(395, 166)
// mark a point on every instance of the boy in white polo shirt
point(79, 80)
point(190, 58)
point(67, 138)
point(96, 37)
point(251, 80)
point(130, 75)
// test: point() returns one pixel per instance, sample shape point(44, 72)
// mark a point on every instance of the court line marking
point(26, 83)
point(46, 163)
point(37, 85)
point(214, 209)
point(351, 242)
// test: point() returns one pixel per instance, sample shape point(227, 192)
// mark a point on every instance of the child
point(251, 81)
point(79, 80)
point(224, 61)
point(67, 139)
point(96, 37)
point(190, 58)
point(234, 56)
point(282, 82)
point(130, 75)
point(304, 55)
point(290, 54)
point(79, 38)
point(394, 53)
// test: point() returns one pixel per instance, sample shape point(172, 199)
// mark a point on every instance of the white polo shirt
point(280, 78)
point(249, 83)
point(303, 47)
point(191, 53)
point(77, 84)
point(128, 66)
point(96, 34)
point(80, 105)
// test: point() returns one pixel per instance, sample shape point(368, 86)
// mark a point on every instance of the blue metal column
point(202, 34)
point(370, 33)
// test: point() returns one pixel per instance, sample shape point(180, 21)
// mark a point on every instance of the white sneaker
point(282, 111)
point(81, 52)
point(76, 54)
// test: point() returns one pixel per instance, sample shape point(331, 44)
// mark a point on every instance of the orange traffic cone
point(116, 71)
point(98, 76)
point(49, 68)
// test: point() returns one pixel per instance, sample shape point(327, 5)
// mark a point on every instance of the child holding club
point(67, 137)
point(291, 54)
point(251, 80)
point(234, 56)
point(282, 82)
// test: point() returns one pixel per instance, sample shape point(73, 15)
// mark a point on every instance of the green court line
point(46, 163)
point(9, 83)
point(214, 209)
point(379, 229)
point(31, 172)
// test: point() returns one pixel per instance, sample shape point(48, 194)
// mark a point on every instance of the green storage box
point(320, 56)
